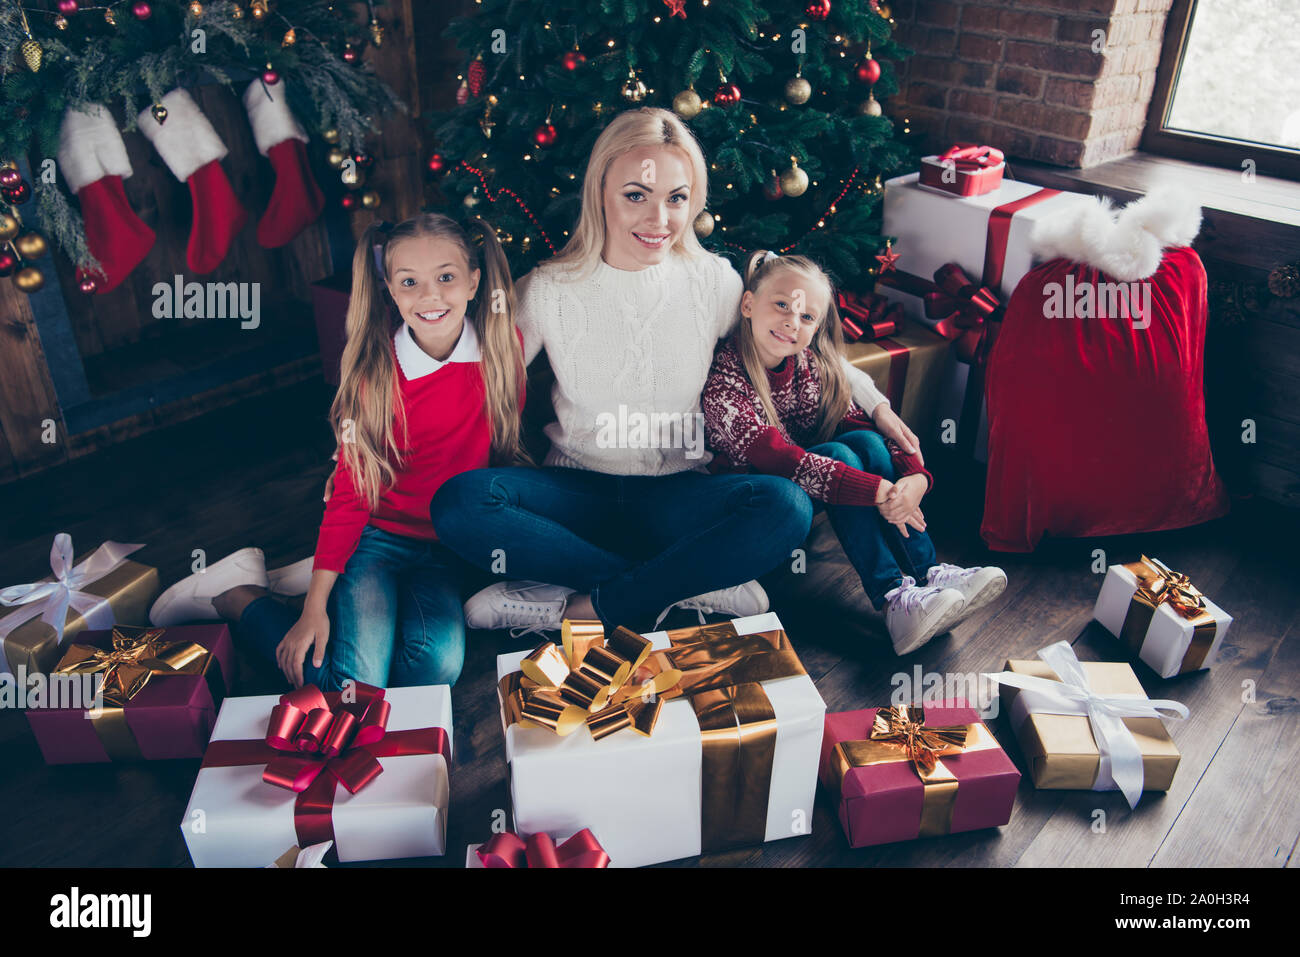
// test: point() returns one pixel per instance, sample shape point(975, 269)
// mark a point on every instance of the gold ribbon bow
point(1157, 584)
point(900, 734)
point(135, 656)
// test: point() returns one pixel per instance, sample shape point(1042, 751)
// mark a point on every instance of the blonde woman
point(438, 396)
point(624, 520)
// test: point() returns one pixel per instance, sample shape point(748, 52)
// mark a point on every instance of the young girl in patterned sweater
point(777, 402)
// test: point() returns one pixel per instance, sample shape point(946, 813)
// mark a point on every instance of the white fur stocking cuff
point(186, 141)
point(91, 147)
point(268, 114)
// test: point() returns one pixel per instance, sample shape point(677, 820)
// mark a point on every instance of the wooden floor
point(252, 474)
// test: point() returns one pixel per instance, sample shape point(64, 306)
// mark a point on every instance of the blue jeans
point(395, 617)
point(637, 543)
point(878, 552)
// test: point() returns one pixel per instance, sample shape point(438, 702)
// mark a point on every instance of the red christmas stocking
point(296, 200)
point(93, 160)
point(193, 152)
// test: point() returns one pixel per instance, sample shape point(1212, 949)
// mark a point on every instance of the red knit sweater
point(446, 433)
point(741, 437)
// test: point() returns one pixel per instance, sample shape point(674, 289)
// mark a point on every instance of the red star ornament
point(676, 8)
point(887, 260)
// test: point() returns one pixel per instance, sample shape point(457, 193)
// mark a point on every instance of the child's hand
point(916, 520)
point(310, 630)
point(891, 426)
point(904, 498)
point(883, 490)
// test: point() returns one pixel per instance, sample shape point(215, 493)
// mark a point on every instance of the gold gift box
point(1060, 748)
point(929, 357)
point(130, 589)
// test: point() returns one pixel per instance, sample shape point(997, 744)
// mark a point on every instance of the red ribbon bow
point(510, 850)
point(868, 316)
point(963, 309)
point(322, 738)
point(971, 156)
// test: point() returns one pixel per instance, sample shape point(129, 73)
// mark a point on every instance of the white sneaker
point(739, 601)
point(291, 580)
point(979, 585)
point(524, 607)
point(916, 613)
point(190, 599)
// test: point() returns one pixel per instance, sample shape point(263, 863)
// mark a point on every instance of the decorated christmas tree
point(74, 74)
point(788, 100)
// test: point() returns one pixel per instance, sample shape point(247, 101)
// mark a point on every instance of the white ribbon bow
point(1121, 758)
point(52, 599)
point(309, 857)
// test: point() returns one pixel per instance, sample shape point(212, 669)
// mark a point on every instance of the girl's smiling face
point(784, 313)
point(647, 200)
point(431, 283)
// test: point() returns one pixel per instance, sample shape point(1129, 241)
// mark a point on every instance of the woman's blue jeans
point(637, 543)
point(876, 549)
point(395, 617)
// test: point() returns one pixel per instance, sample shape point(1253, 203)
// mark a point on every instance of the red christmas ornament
point(887, 260)
point(462, 94)
point(141, 10)
point(477, 74)
point(363, 160)
point(349, 201)
point(545, 135)
point(8, 263)
point(350, 54)
point(10, 178)
point(87, 283)
point(18, 194)
point(437, 163)
point(571, 60)
point(868, 71)
point(727, 94)
point(270, 77)
point(677, 8)
point(818, 9)
point(67, 7)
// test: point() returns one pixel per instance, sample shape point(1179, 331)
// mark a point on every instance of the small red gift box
point(908, 772)
point(964, 169)
point(161, 690)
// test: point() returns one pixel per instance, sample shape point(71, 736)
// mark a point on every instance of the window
point(1227, 91)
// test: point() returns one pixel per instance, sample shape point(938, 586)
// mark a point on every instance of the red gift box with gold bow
point(905, 772)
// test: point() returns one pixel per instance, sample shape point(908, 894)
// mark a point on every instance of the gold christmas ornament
point(196, 9)
point(884, 11)
point(33, 54)
point(237, 11)
point(633, 89)
point(376, 32)
point(290, 38)
point(687, 104)
point(870, 107)
point(487, 123)
point(370, 199)
point(470, 200)
point(31, 245)
point(110, 20)
point(352, 176)
point(336, 156)
point(9, 226)
point(794, 181)
point(29, 279)
point(330, 135)
point(159, 113)
point(257, 10)
point(61, 22)
point(797, 90)
point(703, 224)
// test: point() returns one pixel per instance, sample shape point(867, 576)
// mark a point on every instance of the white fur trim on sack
point(268, 114)
point(186, 141)
point(91, 147)
point(1126, 244)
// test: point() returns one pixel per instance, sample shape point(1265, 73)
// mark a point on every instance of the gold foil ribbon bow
point(135, 655)
point(1157, 585)
point(719, 670)
point(900, 734)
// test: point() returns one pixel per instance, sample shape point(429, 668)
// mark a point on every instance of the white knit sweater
point(640, 339)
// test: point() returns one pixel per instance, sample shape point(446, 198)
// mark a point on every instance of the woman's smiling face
point(647, 206)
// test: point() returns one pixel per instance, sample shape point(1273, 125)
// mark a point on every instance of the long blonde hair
point(632, 129)
point(368, 407)
point(827, 343)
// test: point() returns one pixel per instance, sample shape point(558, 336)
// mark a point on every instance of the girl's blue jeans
point(395, 617)
point(636, 543)
point(877, 550)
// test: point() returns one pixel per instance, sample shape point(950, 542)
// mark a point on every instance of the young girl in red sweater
point(438, 396)
point(777, 402)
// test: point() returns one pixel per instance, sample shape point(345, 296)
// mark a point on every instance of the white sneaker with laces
point(522, 606)
point(190, 599)
point(739, 601)
point(979, 585)
point(292, 579)
point(916, 613)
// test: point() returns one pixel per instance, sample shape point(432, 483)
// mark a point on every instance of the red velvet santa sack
point(1095, 390)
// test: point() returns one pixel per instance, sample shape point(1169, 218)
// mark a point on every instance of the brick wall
point(1025, 77)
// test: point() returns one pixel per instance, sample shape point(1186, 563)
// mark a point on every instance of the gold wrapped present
point(909, 367)
point(93, 592)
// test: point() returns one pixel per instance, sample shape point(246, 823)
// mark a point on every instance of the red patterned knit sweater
point(742, 439)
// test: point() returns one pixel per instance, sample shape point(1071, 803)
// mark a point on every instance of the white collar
point(416, 363)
